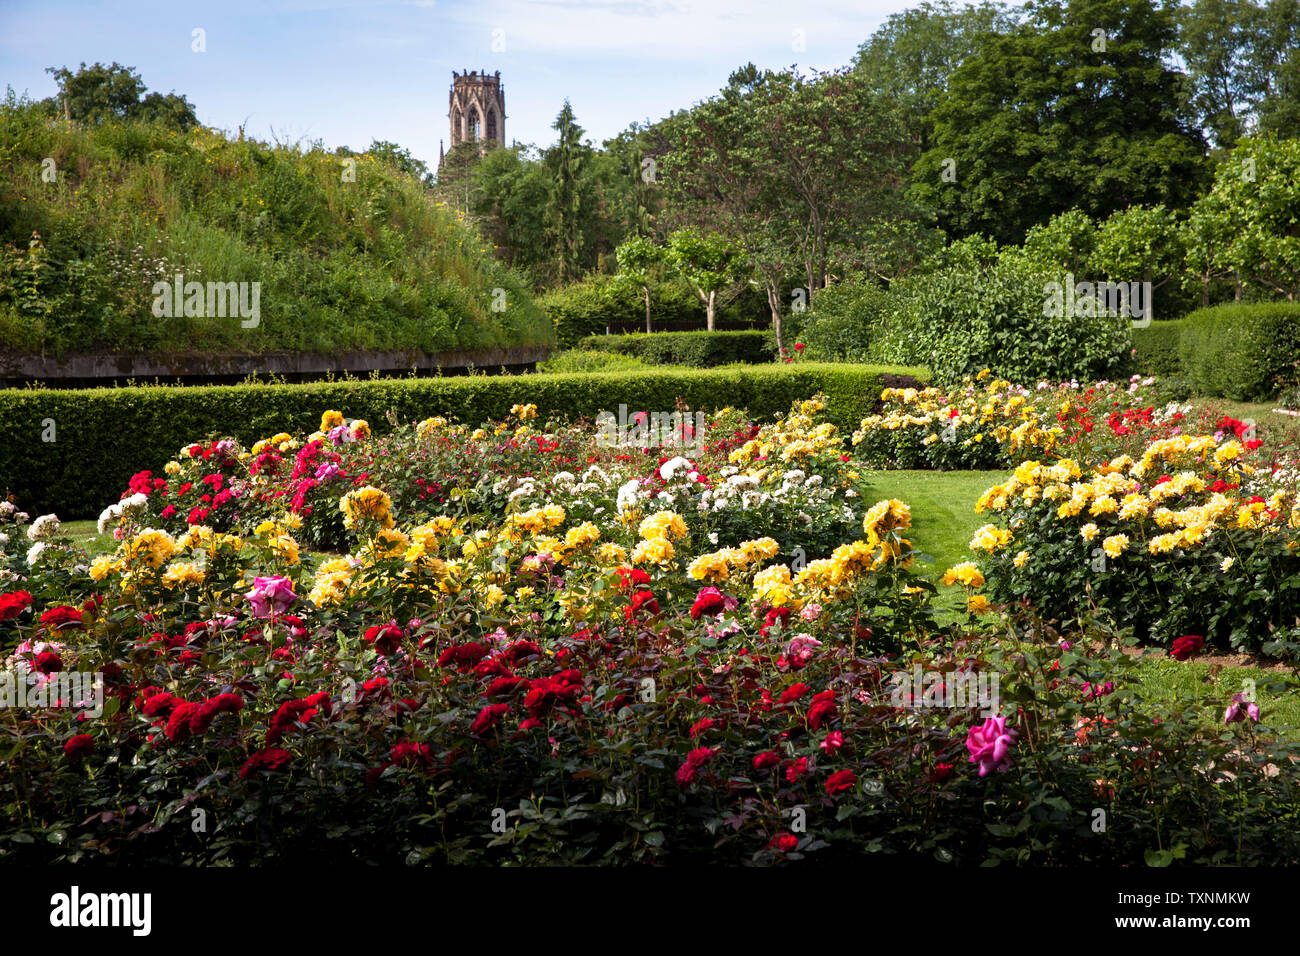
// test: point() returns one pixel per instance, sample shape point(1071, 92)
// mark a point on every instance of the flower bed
point(539, 649)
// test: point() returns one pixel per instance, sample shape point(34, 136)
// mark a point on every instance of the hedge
point(1241, 351)
point(694, 349)
point(1157, 348)
point(102, 436)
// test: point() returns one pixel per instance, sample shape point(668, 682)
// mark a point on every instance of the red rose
point(823, 708)
point(1187, 646)
point(941, 772)
point(178, 724)
point(48, 662)
point(841, 780)
point(792, 693)
point(386, 638)
point(769, 759)
point(64, 615)
point(708, 602)
point(488, 718)
point(783, 842)
point(796, 770)
point(701, 726)
point(13, 604)
point(270, 758)
point(78, 746)
point(409, 752)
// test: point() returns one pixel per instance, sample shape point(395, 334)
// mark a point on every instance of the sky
point(347, 72)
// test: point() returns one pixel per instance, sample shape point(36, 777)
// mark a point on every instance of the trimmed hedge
point(103, 436)
point(1241, 351)
point(1157, 348)
point(693, 349)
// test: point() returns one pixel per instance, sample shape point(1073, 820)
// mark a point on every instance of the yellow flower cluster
point(793, 438)
point(717, 566)
point(366, 504)
point(332, 582)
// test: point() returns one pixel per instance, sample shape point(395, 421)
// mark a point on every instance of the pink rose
point(271, 597)
point(989, 744)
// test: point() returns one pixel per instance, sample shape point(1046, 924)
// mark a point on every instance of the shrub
point(592, 306)
point(589, 360)
point(102, 435)
point(1242, 351)
point(1171, 544)
point(845, 321)
point(1158, 350)
point(964, 318)
point(694, 349)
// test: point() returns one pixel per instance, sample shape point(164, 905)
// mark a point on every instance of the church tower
point(476, 109)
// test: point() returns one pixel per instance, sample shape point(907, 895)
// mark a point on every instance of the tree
point(710, 264)
point(400, 158)
point(1056, 114)
point(99, 93)
point(639, 262)
point(1248, 224)
point(792, 170)
point(911, 57)
point(565, 161)
point(1141, 243)
point(1215, 39)
point(1066, 240)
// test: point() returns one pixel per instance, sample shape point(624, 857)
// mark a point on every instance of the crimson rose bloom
point(1187, 646)
point(793, 692)
point(64, 615)
point(784, 842)
point(47, 662)
point(78, 746)
point(13, 604)
point(823, 708)
point(841, 780)
point(270, 758)
point(769, 759)
point(488, 718)
point(387, 638)
point(708, 602)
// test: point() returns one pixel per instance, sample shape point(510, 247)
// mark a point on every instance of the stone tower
point(476, 108)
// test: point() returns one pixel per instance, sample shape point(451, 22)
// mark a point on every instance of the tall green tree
point(1076, 107)
point(99, 93)
point(566, 162)
point(911, 56)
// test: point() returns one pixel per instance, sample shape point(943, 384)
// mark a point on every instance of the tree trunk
point(710, 308)
point(774, 303)
point(646, 289)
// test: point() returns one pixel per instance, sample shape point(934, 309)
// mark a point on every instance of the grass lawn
point(944, 520)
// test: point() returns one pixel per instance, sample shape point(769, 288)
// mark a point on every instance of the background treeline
point(1118, 140)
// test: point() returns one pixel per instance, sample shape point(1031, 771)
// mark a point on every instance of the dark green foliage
point(103, 435)
point(1244, 352)
point(695, 349)
point(1157, 348)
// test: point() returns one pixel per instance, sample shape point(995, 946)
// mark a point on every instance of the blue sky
point(349, 71)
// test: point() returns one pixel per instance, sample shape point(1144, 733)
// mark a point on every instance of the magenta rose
point(989, 744)
point(271, 597)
